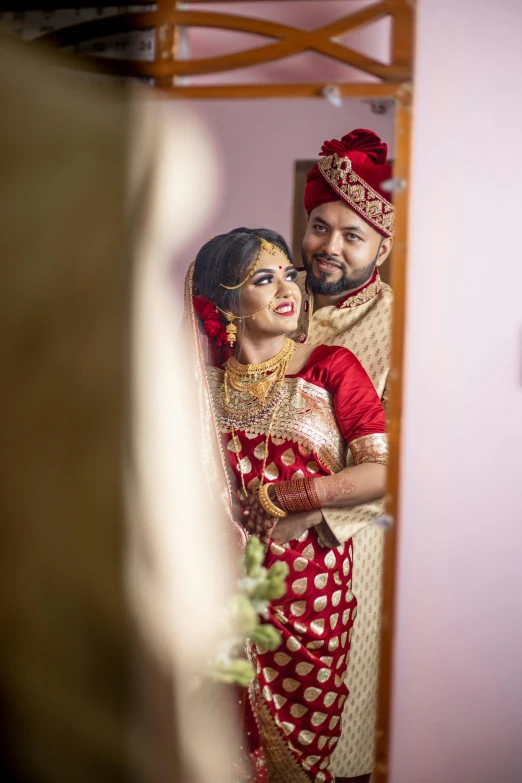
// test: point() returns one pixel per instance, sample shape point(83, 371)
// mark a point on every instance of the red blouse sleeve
point(358, 409)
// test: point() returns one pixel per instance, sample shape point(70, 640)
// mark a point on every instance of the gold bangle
point(267, 504)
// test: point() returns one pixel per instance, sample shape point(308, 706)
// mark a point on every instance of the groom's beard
point(347, 282)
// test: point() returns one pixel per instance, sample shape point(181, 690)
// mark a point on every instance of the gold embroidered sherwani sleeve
point(340, 524)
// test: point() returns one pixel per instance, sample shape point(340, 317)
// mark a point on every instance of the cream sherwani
point(362, 323)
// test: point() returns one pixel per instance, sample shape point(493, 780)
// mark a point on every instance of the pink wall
point(458, 676)
point(258, 143)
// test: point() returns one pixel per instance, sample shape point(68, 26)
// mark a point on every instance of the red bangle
point(297, 495)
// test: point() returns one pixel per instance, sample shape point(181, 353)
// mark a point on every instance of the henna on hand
point(331, 487)
point(257, 522)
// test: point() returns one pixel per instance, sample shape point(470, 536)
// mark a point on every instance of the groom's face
point(340, 249)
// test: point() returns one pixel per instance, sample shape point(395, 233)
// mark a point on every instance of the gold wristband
point(267, 504)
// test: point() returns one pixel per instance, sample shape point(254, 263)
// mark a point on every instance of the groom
point(349, 235)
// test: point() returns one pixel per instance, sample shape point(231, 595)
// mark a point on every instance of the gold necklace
point(255, 380)
point(258, 380)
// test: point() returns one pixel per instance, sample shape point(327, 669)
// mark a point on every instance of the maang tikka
point(269, 247)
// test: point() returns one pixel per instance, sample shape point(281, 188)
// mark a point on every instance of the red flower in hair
point(212, 323)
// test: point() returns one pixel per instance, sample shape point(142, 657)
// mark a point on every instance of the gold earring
point(231, 329)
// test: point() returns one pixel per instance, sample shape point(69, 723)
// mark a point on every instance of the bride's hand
point(255, 519)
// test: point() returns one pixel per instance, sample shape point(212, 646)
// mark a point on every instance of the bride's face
point(274, 292)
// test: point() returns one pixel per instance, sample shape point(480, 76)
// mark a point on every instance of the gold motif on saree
point(270, 674)
point(317, 626)
point(326, 659)
point(311, 694)
point(290, 685)
point(234, 445)
point(288, 457)
point(293, 644)
point(329, 559)
point(320, 580)
point(324, 675)
point(272, 472)
point(245, 466)
point(298, 475)
point(315, 645)
point(321, 742)
point(329, 698)
point(287, 727)
point(260, 450)
point(299, 586)
point(253, 485)
point(306, 737)
point(333, 644)
point(298, 608)
point(318, 718)
point(279, 701)
point(298, 710)
point(309, 552)
point(312, 467)
point(282, 658)
point(336, 598)
point(304, 668)
point(300, 563)
point(320, 603)
point(334, 619)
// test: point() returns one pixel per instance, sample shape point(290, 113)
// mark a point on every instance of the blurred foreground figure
point(103, 633)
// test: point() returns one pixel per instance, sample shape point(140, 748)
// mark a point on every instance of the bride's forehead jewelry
point(270, 248)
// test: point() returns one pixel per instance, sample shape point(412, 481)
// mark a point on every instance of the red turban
point(353, 169)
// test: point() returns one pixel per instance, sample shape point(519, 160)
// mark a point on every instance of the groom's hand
point(294, 525)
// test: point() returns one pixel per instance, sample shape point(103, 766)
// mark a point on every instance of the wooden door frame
point(394, 85)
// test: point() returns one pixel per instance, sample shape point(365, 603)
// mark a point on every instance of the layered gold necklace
point(259, 379)
point(262, 385)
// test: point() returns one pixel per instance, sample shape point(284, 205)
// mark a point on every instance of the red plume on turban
point(367, 155)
